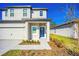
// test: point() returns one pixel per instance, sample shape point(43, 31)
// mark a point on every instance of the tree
point(70, 14)
point(53, 24)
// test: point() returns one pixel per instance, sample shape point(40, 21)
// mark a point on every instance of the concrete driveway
point(6, 45)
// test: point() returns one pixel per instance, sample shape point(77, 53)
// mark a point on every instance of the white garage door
point(12, 33)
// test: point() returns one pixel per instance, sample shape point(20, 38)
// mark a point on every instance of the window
point(11, 12)
point(6, 13)
point(33, 29)
point(41, 13)
point(24, 12)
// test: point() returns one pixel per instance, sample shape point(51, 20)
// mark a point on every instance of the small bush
point(23, 40)
point(58, 43)
point(27, 42)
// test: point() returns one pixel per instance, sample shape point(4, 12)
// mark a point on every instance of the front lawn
point(61, 46)
point(69, 43)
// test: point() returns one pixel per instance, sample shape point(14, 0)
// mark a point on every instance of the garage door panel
point(12, 33)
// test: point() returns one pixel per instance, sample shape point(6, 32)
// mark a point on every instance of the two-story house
point(24, 22)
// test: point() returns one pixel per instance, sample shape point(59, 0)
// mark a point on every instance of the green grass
point(69, 43)
point(27, 53)
point(12, 53)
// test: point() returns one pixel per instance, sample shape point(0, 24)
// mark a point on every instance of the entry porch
point(38, 30)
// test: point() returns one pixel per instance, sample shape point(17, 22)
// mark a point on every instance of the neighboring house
point(24, 22)
point(70, 29)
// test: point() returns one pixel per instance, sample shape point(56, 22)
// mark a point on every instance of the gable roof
point(39, 8)
point(18, 6)
point(22, 6)
point(3, 9)
point(67, 23)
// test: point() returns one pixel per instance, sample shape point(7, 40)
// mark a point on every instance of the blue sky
point(57, 12)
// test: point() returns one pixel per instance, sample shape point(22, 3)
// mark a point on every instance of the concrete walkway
point(6, 45)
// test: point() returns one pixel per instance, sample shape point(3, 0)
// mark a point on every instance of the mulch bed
point(29, 43)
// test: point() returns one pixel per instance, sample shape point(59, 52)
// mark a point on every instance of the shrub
point(32, 41)
point(58, 43)
point(23, 40)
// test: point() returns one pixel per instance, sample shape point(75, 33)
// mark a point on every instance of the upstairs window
point(41, 13)
point(6, 13)
point(24, 12)
point(12, 12)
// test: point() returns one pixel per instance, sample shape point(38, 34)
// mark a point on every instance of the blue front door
point(42, 31)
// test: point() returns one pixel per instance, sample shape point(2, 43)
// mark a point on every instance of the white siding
point(12, 24)
point(48, 31)
point(65, 31)
point(36, 14)
point(76, 30)
point(18, 14)
point(3, 15)
point(26, 31)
